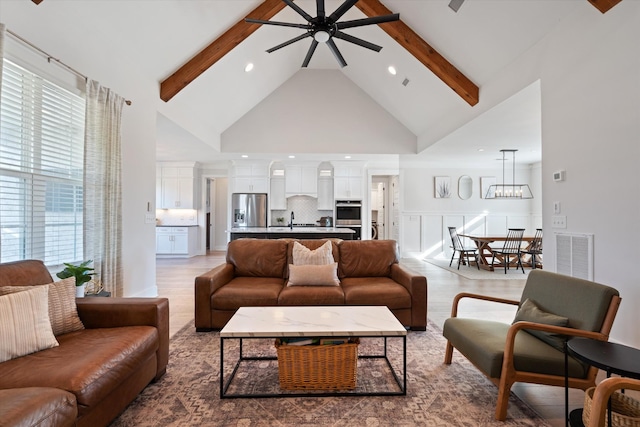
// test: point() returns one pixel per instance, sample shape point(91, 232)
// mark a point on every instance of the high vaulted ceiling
point(161, 36)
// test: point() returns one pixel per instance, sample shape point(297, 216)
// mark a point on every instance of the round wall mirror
point(465, 187)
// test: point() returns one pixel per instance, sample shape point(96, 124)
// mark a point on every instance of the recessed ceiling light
point(244, 156)
point(392, 70)
point(292, 156)
point(480, 149)
point(347, 157)
point(248, 67)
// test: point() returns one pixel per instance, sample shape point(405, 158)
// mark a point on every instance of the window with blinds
point(41, 160)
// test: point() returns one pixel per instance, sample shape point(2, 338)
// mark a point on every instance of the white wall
point(37, 25)
point(310, 112)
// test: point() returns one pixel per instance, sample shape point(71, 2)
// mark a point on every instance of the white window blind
point(41, 159)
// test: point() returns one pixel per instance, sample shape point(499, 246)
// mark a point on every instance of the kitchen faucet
point(291, 223)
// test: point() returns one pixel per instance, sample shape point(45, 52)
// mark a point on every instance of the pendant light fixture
point(509, 191)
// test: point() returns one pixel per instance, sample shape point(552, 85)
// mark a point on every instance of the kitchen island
point(292, 233)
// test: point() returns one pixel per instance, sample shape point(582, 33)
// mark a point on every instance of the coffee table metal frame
point(401, 379)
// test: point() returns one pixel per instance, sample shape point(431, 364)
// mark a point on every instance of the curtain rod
point(50, 58)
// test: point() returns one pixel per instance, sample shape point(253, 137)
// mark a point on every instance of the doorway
point(384, 209)
point(215, 214)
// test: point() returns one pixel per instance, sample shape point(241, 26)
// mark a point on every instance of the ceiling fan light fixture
point(321, 36)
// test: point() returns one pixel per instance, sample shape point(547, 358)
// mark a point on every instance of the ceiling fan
point(324, 28)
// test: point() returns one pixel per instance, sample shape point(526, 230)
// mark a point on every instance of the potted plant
point(280, 220)
point(82, 273)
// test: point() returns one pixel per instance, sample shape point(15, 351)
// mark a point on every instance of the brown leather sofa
point(256, 274)
point(94, 373)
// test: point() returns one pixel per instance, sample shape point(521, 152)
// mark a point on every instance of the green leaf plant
point(82, 272)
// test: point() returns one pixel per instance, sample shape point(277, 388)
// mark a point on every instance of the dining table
point(485, 253)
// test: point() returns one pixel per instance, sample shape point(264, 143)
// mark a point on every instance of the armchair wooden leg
point(502, 404)
point(448, 354)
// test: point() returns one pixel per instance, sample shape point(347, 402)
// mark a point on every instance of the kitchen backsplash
point(179, 217)
point(305, 209)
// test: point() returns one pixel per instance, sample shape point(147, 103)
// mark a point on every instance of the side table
point(610, 357)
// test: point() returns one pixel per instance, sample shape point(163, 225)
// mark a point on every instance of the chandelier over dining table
point(509, 191)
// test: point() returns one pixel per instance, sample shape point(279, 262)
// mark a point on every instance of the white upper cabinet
point(301, 180)
point(175, 187)
point(250, 178)
point(325, 187)
point(277, 195)
point(348, 182)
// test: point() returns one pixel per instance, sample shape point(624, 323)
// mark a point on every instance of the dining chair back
point(512, 247)
point(464, 253)
point(534, 249)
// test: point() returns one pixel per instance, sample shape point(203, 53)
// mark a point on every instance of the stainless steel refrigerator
point(249, 210)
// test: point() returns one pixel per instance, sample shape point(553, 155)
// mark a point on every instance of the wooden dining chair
point(534, 249)
point(462, 251)
point(512, 247)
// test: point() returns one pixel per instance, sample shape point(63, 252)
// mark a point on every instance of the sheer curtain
point(102, 185)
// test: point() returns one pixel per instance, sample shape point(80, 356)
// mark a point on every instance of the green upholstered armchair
point(552, 307)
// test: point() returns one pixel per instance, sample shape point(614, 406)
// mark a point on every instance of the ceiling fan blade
point(280, 24)
point(312, 49)
point(344, 7)
point(355, 40)
point(297, 8)
point(288, 42)
point(368, 21)
point(320, 8)
point(336, 53)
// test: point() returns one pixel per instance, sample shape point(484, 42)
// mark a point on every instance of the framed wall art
point(442, 187)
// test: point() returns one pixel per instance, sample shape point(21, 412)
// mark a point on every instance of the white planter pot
point(80, 291)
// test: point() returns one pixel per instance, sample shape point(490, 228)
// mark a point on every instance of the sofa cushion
point(366, 258)
point(63, 312)
point(247, 291)
point(258, 257)
point(530, 312)
point(27, 272)
point(375, 291)
point(96, 361)
point(311, 295)
point(313, 275)
point(37, 407)
point(305, 256)
point(483, 341)
point(24, 323)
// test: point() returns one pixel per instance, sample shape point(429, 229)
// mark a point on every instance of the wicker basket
point(317, 367)
point(625, 410)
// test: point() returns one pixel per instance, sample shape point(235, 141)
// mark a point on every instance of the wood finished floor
point(175, 278)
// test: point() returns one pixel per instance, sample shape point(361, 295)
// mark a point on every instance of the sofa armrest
point(416, 284)
point(118, 312)
point(205, 285)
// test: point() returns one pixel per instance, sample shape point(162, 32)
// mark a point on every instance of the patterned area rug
point(437, 394)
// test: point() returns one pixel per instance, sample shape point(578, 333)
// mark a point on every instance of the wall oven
point(349, 215)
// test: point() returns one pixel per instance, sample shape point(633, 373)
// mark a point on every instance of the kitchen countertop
point(163, 225)
point(296, 230)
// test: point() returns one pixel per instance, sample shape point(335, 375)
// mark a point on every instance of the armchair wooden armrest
point(460, 296)
point(601, 395)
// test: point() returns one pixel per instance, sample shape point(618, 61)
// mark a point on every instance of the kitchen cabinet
point(175, 187)
point(277, 196)
point(325, 194)
point(301, 180)
point(180, 241)
point(250, 178)
point(347, 182)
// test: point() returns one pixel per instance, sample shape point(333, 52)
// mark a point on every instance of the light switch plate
point(556, 208)
point(559, 221)
point(149, 218)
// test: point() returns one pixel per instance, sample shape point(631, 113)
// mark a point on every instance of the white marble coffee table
point(314, 321)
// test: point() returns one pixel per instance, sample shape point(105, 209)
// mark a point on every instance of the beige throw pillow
point(314, 275)
point(305, 256)
point(62, 310)
point(24, 323)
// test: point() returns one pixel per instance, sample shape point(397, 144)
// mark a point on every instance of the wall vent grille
point(574, 255)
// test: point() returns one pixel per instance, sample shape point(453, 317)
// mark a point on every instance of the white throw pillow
point(63, 311)
point(305, 256)
point(313, 275)
point(24, 323)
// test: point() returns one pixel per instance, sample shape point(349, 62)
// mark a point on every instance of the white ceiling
point(482, 38)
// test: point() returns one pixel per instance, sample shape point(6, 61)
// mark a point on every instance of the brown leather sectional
point(94, 373)
point(256, 274)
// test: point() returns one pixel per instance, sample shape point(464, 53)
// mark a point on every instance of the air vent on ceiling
point(455, 4)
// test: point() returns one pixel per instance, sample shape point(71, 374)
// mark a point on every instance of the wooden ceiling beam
point(604, 5)
point(423, 52)
point(37, 1)
point(217, 49)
